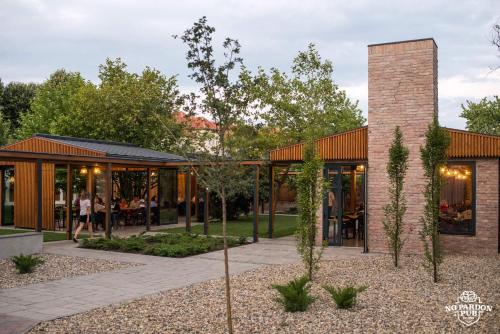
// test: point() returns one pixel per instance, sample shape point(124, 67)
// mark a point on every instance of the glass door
point(8, 181)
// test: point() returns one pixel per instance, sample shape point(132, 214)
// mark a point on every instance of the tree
point(304, 104)
point(4, 130)
point(307, 100)
point(433, 156)
point(222, 98)
point(310, 191)
point(395, 210)
point(483, 116)
point(54, 101)
point(16, 100)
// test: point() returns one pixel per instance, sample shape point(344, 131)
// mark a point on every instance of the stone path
point(23, 307)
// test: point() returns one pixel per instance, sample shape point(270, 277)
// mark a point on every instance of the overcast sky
point(38, 37)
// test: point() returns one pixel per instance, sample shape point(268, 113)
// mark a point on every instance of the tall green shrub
point(310, 190)
point(395, 210)
point(433, 156)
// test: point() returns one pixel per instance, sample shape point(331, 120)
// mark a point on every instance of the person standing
point(84, 218)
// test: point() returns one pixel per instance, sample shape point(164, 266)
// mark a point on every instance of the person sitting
point(443, 206)
point(123, 203)
point(154, 211)
point(100, 213)
point(135, 204)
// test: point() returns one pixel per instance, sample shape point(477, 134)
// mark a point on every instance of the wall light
point(83, 171)
point(97, 170)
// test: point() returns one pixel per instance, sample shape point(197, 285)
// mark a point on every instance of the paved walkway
point(23, 307)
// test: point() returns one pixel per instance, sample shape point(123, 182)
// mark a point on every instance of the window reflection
point(456, 202)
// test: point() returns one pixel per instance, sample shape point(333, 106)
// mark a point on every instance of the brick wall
point(402, 90)
point(486, 239)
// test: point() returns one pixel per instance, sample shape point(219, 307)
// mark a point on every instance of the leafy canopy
point(483, 116)
point(304, 103)
point(124, 106)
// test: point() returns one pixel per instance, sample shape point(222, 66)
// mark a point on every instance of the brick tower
point(402, 90)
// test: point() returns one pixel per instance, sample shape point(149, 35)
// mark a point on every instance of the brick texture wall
point(486, 239)
point(402, 90)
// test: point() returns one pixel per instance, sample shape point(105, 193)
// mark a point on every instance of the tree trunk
point(226, 264)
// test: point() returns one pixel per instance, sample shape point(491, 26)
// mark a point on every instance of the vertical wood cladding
point(25, 195)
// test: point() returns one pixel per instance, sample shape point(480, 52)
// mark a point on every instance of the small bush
point(170, 245)
point(26, 263)
point(295, 295)
point(344, 297)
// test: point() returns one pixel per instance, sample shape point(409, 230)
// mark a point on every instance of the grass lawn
point(48, 236)
point(7, 231)
point(169, 245)
point(283, 226)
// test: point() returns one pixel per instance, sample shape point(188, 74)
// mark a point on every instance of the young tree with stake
point(395, 210)
point(433, 156)
point(223, 99)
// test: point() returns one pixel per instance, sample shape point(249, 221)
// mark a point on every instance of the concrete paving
point(23, 307)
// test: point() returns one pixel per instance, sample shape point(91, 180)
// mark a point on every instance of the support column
point(187, 199)
point(39, 195)
point(109, 197)
point(271, 206)
point(69, 202)
point(352, 204)
point(91, 188)
point(2, 191)
point(148, 199)
point(205, 212)
point(256, 205)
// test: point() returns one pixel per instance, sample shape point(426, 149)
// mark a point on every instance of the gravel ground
point(55, 267)
point(397, 301)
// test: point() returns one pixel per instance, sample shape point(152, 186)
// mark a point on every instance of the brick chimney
point(402, 90)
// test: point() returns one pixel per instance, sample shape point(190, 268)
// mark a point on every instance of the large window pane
point(167, 196)
point(456, 206)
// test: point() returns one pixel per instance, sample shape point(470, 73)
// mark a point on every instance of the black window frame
point(472, 228)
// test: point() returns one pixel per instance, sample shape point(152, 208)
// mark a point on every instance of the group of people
point(120, 208)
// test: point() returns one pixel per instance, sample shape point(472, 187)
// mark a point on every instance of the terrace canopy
point(35, 160)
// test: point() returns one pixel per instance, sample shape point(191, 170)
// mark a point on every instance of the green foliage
point(169, 245)
point(26, 263)
point(295, 295)
point(302, 104)
point(15, 100)
point(310, 191)
point(395, 210)
point(344, 298)
point(433, 156)
point(5, 129)
point(483, 116)
point(124, 107)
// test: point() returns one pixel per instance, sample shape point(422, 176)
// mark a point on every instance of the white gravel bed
point(397, 301)
point(55, 267)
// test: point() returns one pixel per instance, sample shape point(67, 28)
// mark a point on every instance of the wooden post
point(196, 199)
point(187, 199)
point(352, 205)
point(2, 191)
point(109, 197)
point(90, 187)
point(256, 205)
point(148, 199)
point(205, 212)
point(69, 202)
point(39, 195)
point(271, 206)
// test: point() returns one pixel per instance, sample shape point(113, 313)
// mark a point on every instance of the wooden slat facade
point(345, 146)
point(25, 195)
point(46, 145)
point(353, 146)
point(472, 145)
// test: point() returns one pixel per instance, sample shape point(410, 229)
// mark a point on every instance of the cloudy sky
point(37, 37)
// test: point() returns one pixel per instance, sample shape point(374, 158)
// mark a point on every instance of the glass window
point(456, 206)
